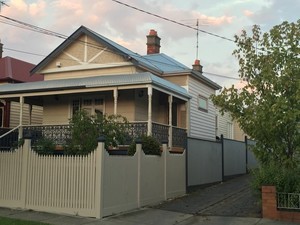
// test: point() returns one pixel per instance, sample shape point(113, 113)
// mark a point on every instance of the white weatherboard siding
point(223, 122)
point(202, 124)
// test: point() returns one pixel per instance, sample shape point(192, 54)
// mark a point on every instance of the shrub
point(150, 146)
point(84, 134)
point(86, 129)
point(114, 128)
point(44, 146)
point(285, 180)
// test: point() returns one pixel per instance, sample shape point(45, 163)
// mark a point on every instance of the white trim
point(85, 49)
point(73, 57)
point(98, 54)
point(85, 66)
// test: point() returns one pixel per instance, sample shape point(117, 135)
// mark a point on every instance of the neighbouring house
point(157, 94)
point(228, 127)
point(13, 71)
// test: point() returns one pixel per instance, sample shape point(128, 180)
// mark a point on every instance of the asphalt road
point(233, 197)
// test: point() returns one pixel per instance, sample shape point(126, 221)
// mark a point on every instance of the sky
point(129, 27)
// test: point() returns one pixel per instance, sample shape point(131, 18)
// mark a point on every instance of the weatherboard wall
point(202, 123)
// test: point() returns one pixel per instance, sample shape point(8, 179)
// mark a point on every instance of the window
point(229, 130)
point(90, 105)
point(202, 103)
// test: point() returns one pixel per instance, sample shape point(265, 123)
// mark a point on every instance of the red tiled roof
point(15, 70)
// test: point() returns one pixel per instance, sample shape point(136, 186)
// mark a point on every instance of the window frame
point(201, 97)
point(95, 105)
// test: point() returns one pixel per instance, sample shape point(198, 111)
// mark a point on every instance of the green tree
point(268, 107)
point(86, 129)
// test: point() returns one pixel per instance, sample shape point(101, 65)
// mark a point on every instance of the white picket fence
point(95, 185)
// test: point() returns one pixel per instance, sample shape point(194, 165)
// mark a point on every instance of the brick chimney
point(153, 42)
point(1, 49)
point(197, 66)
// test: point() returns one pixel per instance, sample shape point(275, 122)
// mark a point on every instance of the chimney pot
point(197, 66)
point(153, 32)
point(153, 42)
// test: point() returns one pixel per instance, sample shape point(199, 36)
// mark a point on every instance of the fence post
point(138, 143)
point(100, 151)
point(222, 149)
point(165, 155)
point(25, 156)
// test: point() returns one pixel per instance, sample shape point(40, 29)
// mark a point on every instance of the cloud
point(248, 13)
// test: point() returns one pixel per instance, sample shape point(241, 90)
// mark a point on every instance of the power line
point(36, 54)
point(23, 25)
point(222, 76)
point(173, 21)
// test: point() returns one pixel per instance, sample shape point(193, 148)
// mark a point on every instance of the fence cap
point(138, 141)
point(164, 141)
point(27, 135)
point(101, 139)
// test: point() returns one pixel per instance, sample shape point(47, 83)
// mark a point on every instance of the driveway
point(233, 197)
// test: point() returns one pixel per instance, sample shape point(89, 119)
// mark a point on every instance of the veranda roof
point(93, 82)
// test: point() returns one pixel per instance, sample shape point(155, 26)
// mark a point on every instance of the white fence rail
point(95, 185)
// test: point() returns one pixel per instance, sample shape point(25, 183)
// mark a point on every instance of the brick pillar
point(269, 202)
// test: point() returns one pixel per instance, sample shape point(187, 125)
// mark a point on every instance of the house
point(14, 71)
point(228, 127)
point(157, 94)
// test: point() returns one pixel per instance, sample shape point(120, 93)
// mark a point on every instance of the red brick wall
point(269, 207)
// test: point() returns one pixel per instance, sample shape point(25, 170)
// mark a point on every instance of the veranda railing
point(59, 134)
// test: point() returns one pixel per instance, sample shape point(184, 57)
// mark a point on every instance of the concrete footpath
point(145, 216)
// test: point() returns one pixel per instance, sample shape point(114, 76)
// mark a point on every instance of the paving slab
point(5, 211)
point(68, 220)
point(153, 217)
point(216, 220)
point(31, 215)
point(231, 198)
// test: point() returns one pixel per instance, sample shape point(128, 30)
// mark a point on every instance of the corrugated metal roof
point(89, 82)
point(17, 70)
point(166, 63)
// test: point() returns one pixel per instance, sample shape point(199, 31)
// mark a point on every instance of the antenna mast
point(2, 3)
point(197, 47)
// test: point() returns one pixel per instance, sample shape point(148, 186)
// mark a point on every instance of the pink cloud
point(248, 13)
point(38, 8)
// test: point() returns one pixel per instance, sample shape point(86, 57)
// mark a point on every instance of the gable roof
point(159, 63)
point(137, 59)
point(92, 82)
point(15, 70)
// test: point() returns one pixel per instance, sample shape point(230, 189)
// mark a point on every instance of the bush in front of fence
point(44, 146)
point(85, 130)
point(284, 179)
point(150, 146)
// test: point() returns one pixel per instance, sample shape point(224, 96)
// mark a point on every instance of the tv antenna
point(199, 22)
point(2, 3)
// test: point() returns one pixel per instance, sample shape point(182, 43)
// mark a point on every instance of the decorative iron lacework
point(136, 130)
point(160, 132)
point(9, 141)
point(57, 133)
point(288, 201)
point(179, 137)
